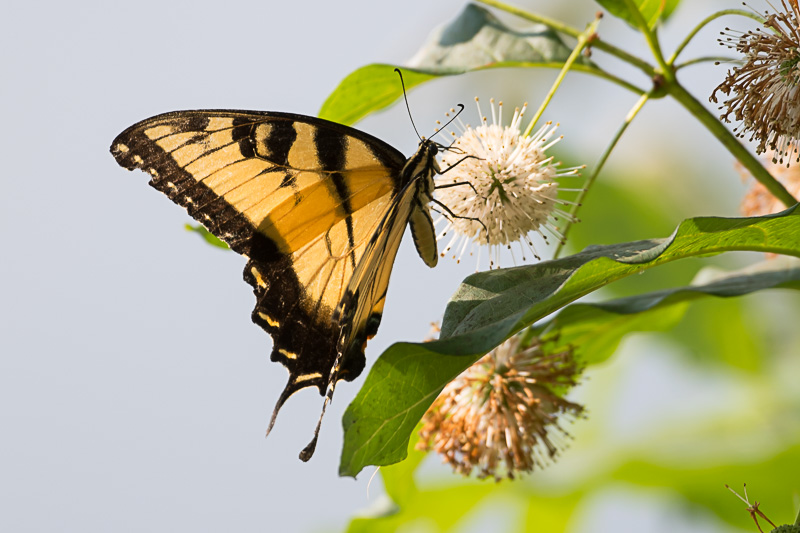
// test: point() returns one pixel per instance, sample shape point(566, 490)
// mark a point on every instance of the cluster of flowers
point(764, 94)
point(501, 416)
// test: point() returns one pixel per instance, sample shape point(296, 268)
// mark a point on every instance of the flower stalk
point(652, 41)
point(729, 141)
point(599, 167)
point(704, 23)
point(583, 39)
point(559, 26)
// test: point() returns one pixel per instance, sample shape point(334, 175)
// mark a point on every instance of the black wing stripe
point(305, 346)
point(331, 151)
point(280, 139)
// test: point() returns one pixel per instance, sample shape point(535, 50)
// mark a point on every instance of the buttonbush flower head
point(758, 200)
point(501, 186)
point(763, 94)
point(502, 415)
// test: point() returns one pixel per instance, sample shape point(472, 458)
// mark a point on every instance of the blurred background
point(135, 391)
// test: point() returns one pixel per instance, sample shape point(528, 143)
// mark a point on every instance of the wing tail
point(308, 451)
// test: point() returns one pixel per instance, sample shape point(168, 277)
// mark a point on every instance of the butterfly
point(317, 208)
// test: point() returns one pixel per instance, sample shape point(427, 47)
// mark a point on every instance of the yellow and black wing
point(318, 209)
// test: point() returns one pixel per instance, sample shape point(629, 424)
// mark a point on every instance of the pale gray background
point(134, 390)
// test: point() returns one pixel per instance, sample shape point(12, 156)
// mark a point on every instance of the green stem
point(729, 141)
point(600, 73)
point(583, 39)
point(552, 23)
point(652, 40)
point(707, 20)
point(797, 520)
point(705, 59)
point(600, 163)
point(559, 26)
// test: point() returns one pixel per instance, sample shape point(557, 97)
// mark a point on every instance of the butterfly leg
point(449, 212)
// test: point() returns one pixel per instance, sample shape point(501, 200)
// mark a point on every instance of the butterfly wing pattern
point(318, 209)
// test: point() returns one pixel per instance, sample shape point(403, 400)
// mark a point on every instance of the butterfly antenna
point(403, 85)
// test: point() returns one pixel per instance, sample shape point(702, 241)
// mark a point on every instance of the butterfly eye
point(433, 149)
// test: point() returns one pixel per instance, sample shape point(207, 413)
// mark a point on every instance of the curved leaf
point(596, 329)
point(489, 307)
point(476, 39)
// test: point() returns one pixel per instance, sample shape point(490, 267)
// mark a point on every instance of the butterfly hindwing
point(305, 200)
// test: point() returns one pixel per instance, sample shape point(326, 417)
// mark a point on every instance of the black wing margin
point(228, 168)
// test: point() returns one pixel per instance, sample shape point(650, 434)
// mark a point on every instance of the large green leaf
point(476, 39)
point(595, 329)
point(651, 10)
point(489, 307)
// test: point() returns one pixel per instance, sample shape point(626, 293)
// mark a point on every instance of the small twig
point(752, 508)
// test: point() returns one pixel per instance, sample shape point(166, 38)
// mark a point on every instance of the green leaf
point(206, 235)
point(489, 307)
point(434, 510)
point(652, 10)
point(475, 40)
point(398, 479)
point(596, 329)
point(702, 484)
point(369, 89)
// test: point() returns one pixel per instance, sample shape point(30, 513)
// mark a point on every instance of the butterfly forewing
point(318, 208)
point(299, 196)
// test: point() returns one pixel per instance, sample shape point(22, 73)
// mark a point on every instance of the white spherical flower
point(499, 186)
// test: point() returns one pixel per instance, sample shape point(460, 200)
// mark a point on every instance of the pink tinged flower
point(500, 186)
point(502, 416)
point(758, 200)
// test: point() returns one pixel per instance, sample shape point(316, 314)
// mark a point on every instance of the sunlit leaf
point(651, 10)
point(595, 329)
point(475, 40)
point(491, 306)
point(206, 235)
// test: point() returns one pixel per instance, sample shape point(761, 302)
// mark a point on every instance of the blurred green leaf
point(741, 347)
point(652, 10)
point(491, 306)
point(703, 485)
point(476, 39)
point(596, 329)
point(431, 510)
point(551, 513)
point(398, 479)
point(206, 235)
